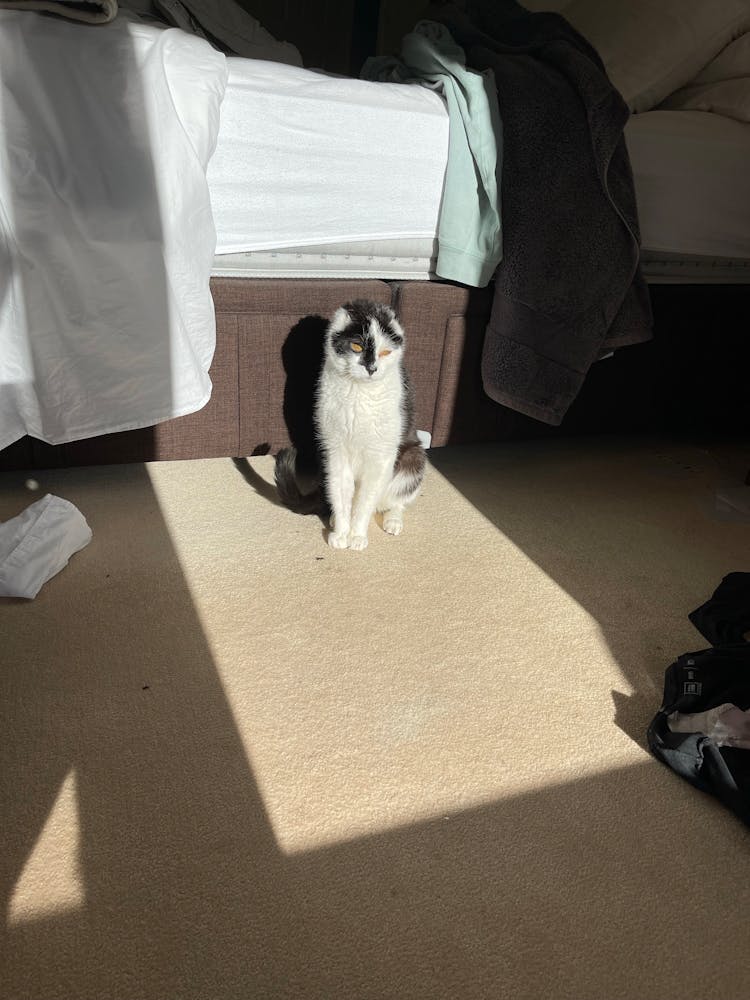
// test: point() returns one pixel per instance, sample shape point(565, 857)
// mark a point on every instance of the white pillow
point(722, 87)
point(650, 48)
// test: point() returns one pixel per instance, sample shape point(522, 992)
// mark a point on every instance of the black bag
point(697, 682)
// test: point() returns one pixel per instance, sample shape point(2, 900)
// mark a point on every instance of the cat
point(369, 456)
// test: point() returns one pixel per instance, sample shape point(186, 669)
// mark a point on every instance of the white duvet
point(106, 231)
point(306, 158)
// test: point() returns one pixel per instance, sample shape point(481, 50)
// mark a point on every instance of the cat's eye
point(384, 354)
point(357, 348)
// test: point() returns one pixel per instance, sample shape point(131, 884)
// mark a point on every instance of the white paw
point(393, 525)
point(358, 542)
point(339, 540)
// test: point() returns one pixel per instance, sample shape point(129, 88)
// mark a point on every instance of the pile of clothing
point(702, 730)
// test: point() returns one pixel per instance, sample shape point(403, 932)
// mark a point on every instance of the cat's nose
point(371, 369)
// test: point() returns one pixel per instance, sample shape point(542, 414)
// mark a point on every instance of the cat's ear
point(396, 332)
point(340, 320)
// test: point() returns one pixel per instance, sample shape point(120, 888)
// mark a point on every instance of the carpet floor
point(235, 763)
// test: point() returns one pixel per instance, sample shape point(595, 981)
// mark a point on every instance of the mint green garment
point(469, 228)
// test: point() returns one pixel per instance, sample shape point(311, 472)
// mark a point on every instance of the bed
point(320, 189)
point(690, 172)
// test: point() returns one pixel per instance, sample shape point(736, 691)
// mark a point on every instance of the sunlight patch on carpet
point(375, 689)
point(51, 881)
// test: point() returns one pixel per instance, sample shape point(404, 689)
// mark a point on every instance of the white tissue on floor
point(425, 439)
point(38, 543)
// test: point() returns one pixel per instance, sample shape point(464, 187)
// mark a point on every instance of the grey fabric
point(87, 11)
point(224, 22)
point(569, 287)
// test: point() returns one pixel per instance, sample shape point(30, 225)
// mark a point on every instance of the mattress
point(692, 269)
point(692, 183)
point(397, 259)
point(414, 260)
point(305, 158)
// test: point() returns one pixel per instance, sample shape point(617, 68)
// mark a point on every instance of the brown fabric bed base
point(444, 325)
point(643, 388)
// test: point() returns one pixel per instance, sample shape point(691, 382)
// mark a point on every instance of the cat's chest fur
point(360, 418)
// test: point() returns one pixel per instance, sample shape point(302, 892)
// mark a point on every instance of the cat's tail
point(291, 496)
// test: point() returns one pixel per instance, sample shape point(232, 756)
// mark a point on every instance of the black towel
point(569, 288)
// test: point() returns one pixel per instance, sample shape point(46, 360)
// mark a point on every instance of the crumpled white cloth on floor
point(38, 543)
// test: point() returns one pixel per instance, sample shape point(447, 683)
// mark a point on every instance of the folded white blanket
point(305, 158)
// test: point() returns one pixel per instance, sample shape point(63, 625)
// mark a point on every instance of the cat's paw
point(393, 525)
point(339, 540)
point(358, 542)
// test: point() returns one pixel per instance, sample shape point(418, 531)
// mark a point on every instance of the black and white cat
point(370, 456)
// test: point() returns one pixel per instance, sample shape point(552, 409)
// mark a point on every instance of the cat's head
point(364, 340)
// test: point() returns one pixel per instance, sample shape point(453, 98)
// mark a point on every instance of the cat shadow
point(302, 358)
point(259, 484)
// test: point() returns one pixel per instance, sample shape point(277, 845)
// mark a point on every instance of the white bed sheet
point(692, 182)
point(305, 158)
point(106, 233)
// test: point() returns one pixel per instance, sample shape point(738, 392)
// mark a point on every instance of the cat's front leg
point(340, 489)
point(370, 489)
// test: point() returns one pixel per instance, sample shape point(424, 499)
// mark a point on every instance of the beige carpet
point(238, 764)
